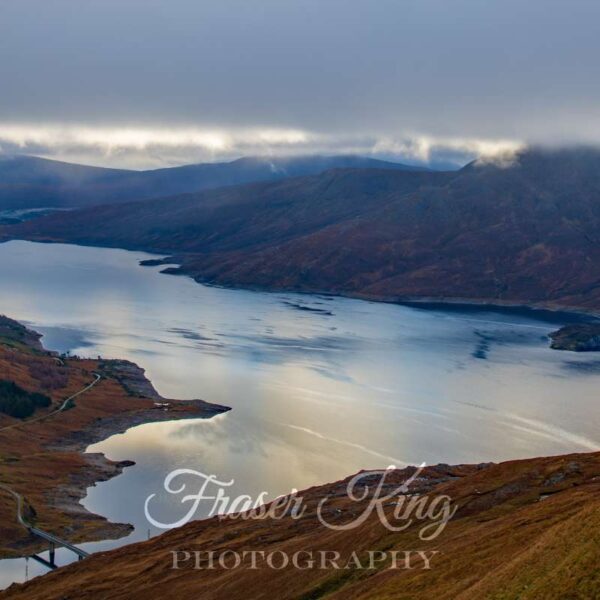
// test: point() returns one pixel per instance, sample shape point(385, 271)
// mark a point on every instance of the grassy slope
point(525, 529)
point(43, 460)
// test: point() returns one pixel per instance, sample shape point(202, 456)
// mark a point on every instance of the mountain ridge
point(519, 233)
point(34, 182)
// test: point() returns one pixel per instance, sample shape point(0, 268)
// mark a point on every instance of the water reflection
point(320, 387)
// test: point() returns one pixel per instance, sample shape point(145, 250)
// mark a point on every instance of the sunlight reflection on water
point(316, 394)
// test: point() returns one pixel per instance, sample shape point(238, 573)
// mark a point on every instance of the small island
point(580, 337)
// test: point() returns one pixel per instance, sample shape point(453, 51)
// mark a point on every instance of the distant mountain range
point(524, 232)
point(31, 182)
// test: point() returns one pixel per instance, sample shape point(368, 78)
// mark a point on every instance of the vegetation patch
point(19, 403)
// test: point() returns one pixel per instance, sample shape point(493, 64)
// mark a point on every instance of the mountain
point(31, 182)
point(520, 232)
point(31, 170)
point(234, 218)
point(524, 529)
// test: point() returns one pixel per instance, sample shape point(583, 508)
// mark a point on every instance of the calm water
point(320, 387)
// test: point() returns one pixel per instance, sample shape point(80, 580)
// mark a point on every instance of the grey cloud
point(364, 74)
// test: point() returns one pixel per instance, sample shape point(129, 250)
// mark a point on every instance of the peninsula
point(42, 446)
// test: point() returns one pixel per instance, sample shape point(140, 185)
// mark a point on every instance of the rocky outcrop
point(581, 337)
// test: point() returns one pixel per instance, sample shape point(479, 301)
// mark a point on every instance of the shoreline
point(538, 511)
point(49, 465)
point(546, 310)
point(98, 468)
point(69, 497)
point(176, 267)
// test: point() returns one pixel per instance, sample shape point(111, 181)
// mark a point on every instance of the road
point(49, 537)
point(62, 407)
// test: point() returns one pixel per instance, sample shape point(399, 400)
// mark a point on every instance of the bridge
point(53, 540)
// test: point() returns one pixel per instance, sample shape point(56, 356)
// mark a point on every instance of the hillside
point(42, 452)
point(525, 529)
point(242, 217)
point(524, 232)
point(31, 182)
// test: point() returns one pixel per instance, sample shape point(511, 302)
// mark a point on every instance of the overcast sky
point(153, 82)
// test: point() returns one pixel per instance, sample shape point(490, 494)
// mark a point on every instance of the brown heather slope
point(233, 218)
point(527, 529)
point(524, 232)
point(43, 459)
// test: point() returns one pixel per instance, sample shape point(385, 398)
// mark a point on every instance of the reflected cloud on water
point(315, 396)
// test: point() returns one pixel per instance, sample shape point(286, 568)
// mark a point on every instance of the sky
point(150, 83)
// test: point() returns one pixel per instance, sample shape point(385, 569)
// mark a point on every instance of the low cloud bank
point(152, 147)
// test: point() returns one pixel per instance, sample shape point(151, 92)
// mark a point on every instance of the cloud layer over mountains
point(155, 83)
